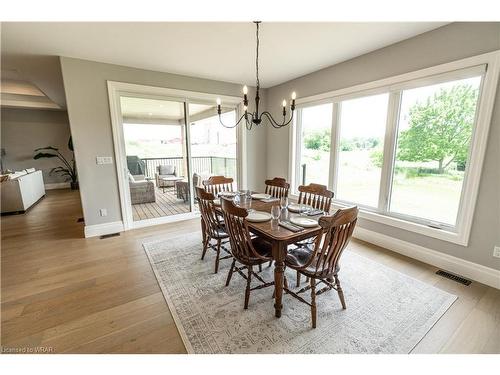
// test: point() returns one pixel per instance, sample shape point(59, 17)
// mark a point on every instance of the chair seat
point(263, 247)
point(299, 257)
point(220, 234)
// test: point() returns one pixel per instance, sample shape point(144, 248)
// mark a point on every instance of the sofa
point(141, 190)
point(21, 190)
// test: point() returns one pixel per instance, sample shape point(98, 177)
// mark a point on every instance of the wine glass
point(283, 202)
point(275, 212)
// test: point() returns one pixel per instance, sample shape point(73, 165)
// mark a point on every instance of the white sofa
point(21, 191)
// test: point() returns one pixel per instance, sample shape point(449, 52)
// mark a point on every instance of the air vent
point(109, 235)
point(458, 279)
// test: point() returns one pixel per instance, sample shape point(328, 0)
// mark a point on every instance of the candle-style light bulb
point(218, 101)
point(294, 95)
point(284, 103)
point(245, 89)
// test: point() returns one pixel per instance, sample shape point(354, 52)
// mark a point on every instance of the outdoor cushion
point(166, 169)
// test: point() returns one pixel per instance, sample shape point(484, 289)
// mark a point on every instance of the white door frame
point(115, 91)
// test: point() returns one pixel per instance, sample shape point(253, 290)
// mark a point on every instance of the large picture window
point(316, 125)
point(361, 144)
point(407, 152)
point(434, 134)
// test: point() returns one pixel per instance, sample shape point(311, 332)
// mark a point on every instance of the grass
point(430, 196)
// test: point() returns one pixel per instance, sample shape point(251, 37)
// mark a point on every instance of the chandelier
point(256, 117)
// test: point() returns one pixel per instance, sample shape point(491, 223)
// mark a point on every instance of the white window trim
point(117, 89)
point(477, 149)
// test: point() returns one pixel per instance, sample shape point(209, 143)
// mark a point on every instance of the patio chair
point(163, 173)
point(141, 191)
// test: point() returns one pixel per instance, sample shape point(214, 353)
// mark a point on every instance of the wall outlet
point(496, 251)
point(103, 212)
point(104, 160)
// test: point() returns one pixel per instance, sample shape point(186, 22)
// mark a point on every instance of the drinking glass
point(283, 202)
point(275, 212)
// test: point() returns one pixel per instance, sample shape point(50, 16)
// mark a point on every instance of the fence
point(201, 164)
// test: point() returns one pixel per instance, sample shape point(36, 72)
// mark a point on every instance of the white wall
point(449, 43)
point(89, 115)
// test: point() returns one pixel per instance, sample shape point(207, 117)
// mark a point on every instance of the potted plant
point(69, 168)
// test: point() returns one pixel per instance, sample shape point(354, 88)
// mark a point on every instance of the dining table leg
point(279, 270)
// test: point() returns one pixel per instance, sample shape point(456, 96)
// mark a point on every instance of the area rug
point(387, 311)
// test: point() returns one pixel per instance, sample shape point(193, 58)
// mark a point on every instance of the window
point(407, 150)
point(213, 147)
point(361, 143)
point(316, 125)
point(434, 133)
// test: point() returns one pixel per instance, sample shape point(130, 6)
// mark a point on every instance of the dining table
point(279, 238)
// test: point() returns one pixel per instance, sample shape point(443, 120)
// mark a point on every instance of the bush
point(318, 141)
point(377, 157)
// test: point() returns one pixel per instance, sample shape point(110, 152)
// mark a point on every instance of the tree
point(319, 140)
point(440, 128)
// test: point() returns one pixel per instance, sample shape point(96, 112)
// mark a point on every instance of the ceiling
point(221, 51)
point(18, 93)
point(154, 109)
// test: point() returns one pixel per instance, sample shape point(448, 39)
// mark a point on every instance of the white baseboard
point(102, 229)
point(474, 271)
point(57, 185)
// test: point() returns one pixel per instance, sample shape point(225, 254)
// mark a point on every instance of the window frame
point(487, 65)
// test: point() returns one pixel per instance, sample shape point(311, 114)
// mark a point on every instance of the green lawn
point(434, 197)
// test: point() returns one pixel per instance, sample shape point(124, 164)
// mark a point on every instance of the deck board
point(166, 204)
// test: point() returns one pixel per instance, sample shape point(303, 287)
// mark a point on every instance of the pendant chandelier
point(255, 118)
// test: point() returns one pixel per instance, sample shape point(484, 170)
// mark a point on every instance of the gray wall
point(451, 42)
point(24, 130)
point(88, 109)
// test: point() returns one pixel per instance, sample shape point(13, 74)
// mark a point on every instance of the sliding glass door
point(155, 137)
point(166, 143)
point(213, 147)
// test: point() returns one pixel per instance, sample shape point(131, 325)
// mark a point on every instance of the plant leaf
point(44, 155)
point(47, 148)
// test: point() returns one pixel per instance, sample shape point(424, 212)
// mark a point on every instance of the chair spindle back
point(239, 235)
point(277, 187)
point(216, 184)
point(208, 212)
point(316, 195)
point(329, 246)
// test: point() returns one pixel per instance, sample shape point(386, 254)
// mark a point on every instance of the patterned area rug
point(387, 312)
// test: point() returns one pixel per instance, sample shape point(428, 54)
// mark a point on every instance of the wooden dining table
point(279, 237)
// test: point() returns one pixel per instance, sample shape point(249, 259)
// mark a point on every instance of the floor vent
point(80, 220)
point(104, 236)
point(458, 279)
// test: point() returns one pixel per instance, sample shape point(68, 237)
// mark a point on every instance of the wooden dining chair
point(321, 263)
point(316, 195)
point(216, 184)
point(212, 227)
point(277, 187)
point(247, 251)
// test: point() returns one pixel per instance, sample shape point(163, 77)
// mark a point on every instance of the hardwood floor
point(79, 295)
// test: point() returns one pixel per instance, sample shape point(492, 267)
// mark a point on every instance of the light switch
point(104, 160)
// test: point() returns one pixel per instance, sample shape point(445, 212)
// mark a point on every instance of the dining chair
point(212, 227)
point(277, 187)
point(315, 195)
point(216, 184)
point(321, 262)
point(248, 251)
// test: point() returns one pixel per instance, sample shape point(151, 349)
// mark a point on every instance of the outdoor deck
point(166, 204)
